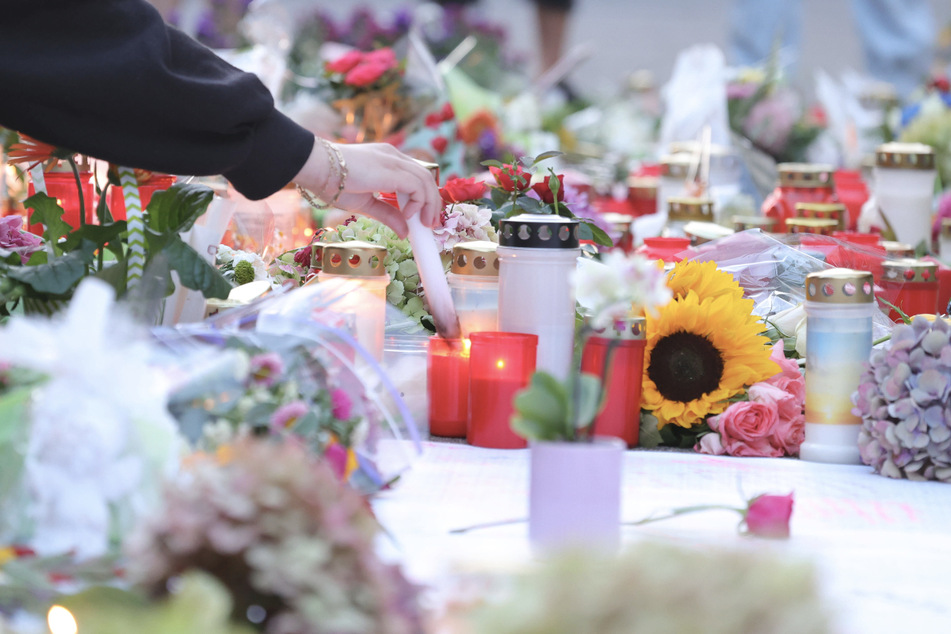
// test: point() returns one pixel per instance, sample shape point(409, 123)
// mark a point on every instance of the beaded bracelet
point(338, 166)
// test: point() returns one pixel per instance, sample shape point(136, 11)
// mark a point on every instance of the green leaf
point(493, 163)
point(193, 270)
point(50, 214)
point(177, 208)
point(499, 196)
point(588, 400)
point(97, 234)
point(544, 156)
point(590, 231)
point(14, 430)
point(542, 409)
point(59, 276)
point(528, 205)
point(115, 275)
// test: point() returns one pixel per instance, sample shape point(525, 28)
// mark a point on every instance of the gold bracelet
point(338, 168)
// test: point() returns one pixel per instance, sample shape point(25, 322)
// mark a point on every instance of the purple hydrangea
point(904, 399)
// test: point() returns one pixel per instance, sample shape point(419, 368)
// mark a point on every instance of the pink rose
point(789, 430)
point(13, 238)
point(382, 56)
point(789, 378)
point(768, 515)
point(710, 444)
point(364, 74)
point(344, 64)
point(746, 429)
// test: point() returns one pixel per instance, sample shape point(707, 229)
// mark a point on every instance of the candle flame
point(466, 346)
point(61, 621)
point(500, 364)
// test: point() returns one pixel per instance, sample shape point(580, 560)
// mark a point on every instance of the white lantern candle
point(474, 284)
point(537, 257)
point(683, 210)
point(904, 189)
point(357, 269)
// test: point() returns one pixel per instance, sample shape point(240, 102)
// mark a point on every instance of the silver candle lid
point(539, 231)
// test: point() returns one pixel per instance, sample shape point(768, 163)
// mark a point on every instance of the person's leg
point(898, 38)
point(755, 27)
point(552, 16)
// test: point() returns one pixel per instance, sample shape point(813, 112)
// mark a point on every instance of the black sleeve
point(110, 79)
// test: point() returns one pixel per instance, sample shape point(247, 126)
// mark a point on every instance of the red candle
point(500, 365)
point(448, 377)
point(621, 415)
point(157, 183)
point(911, 285)
point(62, 187)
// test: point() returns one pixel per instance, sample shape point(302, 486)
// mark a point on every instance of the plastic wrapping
point(288, 364)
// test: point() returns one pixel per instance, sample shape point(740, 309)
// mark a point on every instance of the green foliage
point(552, 410)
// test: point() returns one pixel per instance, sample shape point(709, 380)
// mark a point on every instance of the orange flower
point(34, 152)
point(472, 128)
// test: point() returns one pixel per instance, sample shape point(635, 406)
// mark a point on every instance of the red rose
point(364, 74)
point(459, 190)
point(768, 515)
point(544, 192)
point(382, 56)
point(504, 177)
point(439, 144)
point(447, 113)
point(344, 64)
point(747, 429)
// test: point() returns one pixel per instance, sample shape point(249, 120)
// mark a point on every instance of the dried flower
point(280, 531)
point(904, 399)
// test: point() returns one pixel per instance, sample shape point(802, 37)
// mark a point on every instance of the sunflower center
point(684, 366)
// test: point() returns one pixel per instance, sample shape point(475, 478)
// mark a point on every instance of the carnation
point(904, 399)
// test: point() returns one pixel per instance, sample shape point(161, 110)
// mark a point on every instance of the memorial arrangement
point(215, 414)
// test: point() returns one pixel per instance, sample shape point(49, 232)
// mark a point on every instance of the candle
point(448, 379)
point(62, 186)
point(500, 365)
point(904, 189)
point(621, 414)
point(839, 305)
point(911, 285)
point(474, 285)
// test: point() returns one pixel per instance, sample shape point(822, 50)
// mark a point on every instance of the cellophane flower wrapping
point(85, 436)
point(289, 366)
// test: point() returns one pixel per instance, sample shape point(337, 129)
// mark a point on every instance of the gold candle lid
point(946, 228)
point(642, 186)
point(675, 165)
point(742, 223)
point(909, 156)
point(703, 232)
point(619, 222)
point(688, 209)
point(805, 175)
point(898, 249)
point(820, 226)
point(475, 258)
point(354, 259)
point(631, 328)
point(825, 211)
point(840, 286)
point(909, 270)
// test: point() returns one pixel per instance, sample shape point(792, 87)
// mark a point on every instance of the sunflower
point(699, 354)
point(704, 278)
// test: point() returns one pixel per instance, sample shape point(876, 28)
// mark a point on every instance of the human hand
point(373, 168)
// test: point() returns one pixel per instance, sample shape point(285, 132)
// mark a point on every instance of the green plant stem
point(881, 340)
point(79, 191)
point(473, 527)
point(684, 511)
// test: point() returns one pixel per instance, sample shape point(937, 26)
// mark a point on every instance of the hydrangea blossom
point(100, 436)
point(464, 222)
point(904, 399)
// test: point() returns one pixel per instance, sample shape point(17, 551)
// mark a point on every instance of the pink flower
point(13, 238)
point(287, 415)
point(710, 444)
point(346, 63)
point(341, 404)
point(786, 391)
point(789, 378)
point(364, 74)
point(768, 515)
point(746, 429)
point(382, 56)
point(336, 456)
point(266, 369)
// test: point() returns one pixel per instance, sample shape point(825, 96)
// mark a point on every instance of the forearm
point(108, 78)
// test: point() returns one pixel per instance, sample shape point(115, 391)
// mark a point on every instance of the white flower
point(619, 286)
point(791, 323)
point(464, 222)
point(101, 437)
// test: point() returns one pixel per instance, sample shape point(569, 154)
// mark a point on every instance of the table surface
point(881, 547)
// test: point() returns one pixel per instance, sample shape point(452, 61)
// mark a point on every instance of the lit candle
point(448, 378)
point(500, 365)
point(474, 285)
point(911, 285)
